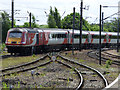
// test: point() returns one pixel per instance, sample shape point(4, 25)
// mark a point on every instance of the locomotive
point(32, 40)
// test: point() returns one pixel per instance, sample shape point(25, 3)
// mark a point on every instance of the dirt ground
point(56, 75)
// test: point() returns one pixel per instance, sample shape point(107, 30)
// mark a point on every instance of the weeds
point(18, 86)
point(4, 85)
point(41, 86)
point(2, 47)
point(108, 63)
point(73, 68)
point(33, 55)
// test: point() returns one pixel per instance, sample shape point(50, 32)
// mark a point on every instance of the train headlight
point(18, 42)
point(23, 42)
point(8, 42)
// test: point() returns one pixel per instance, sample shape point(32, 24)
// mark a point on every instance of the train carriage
point(95, 38)
point(113, 38)
point(28, 40)
point(55, 39)
point(85, 40)
point(21, 40)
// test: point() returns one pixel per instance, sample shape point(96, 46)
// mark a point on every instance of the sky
point(65, 7)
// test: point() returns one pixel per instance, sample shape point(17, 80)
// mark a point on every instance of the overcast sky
point(39, 7)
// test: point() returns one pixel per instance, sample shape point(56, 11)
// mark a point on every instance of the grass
point(13, 61)
point(81, 60)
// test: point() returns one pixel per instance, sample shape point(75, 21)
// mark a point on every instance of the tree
point(33, 23)
point(26, 24)
point(67, 22)
point(112, 25)
point(6, 25)
point(51, 22)
point(55, 17)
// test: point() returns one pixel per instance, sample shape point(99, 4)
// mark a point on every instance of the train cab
point(16, 37)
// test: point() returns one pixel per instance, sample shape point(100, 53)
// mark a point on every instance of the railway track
point(111, 55)
point(34, 64)
point(25, 67)
point(87, 75)
point(95, 55)
point(90, 75)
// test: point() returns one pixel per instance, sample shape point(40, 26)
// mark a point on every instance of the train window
point(50, 36)
point(76, 36)
point(95, 36)
point(110, 36)
point(84, 36)
point(41, 35)
point(113, 37)
point(15, 34)
point(53, 36)
point(59, 36)
point(103, 36)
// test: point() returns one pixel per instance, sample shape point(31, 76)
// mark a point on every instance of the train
point(32, 40)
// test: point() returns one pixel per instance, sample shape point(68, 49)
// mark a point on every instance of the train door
point(41, 38)
point(89, 38)
point(69, 39)
point(37, 38)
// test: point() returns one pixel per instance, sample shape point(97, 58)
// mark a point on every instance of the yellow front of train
point(15, 41)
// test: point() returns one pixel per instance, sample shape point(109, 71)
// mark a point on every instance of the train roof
point(18, 29)
point(55, 30)
point(23, 30)
point(112, 33)
point(78, 31)
point(97, 32)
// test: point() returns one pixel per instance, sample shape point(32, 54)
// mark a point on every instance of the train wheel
point(11, 54)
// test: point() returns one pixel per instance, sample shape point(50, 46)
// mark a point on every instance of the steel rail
point(102, 58)
point(100, 74)
point(79, 74)
point(24, 70)
point(26, 64)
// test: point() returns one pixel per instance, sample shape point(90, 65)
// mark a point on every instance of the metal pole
point(100, 37)
point(102, 20)
point(12, 13)
point(118, 37)
point(73, 31)
point(80, 39)
point(0, 32)
point(30, 19)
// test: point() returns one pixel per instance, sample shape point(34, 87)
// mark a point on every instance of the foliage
point(108, 63)
point(33, 23)
point(94, 27)
point(4, 85)
point(67, 22)
point(112, 25)
point(33, 55)
point(51, 22)
point(2, 47)
point(54, 18)
point(43, 26)
point(57, 18)
point(6, 25)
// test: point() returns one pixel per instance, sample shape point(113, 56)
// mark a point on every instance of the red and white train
point(28, 40)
